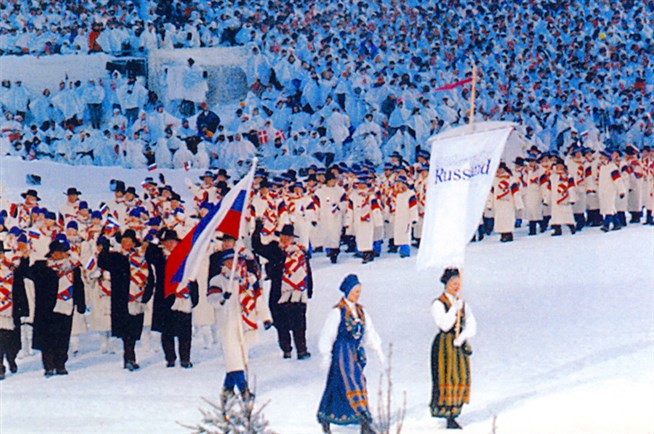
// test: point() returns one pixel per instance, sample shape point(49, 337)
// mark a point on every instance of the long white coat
point(533, 195)
point(610, 185)
point(405, 215)
point(236, 336)
point(363, 216)
point(330, 216)
point(505, 203)
point(561, 195)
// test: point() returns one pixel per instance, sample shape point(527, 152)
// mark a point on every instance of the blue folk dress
point(345, 400)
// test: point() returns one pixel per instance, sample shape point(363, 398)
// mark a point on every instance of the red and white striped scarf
point(294, 278)
point(6, 286)
point(64, 269)
point(138, 272)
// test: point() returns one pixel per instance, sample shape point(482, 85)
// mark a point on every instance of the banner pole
point(472, 94)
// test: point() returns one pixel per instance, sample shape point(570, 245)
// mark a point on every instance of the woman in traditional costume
point(348, 326)
point(450, 352)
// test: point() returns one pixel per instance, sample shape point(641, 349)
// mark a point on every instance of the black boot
point(635, 217)
point(556, 230)
point(532, 227)
point(351, 244)
point(452, 423)
point(368, 256)
point(392, 248)
point(573, 229)
point(622, 218)
point(649, 220)
point(544, 224)
point(333, 255)
point(580, 221)
point(506, 238)
point(325, 427)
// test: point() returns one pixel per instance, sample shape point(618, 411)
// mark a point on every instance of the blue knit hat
point(350, 281)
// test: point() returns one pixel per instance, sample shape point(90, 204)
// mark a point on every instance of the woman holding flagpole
point(450, 352)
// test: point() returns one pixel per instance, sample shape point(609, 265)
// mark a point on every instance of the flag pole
point(472, 94)
point(240, 224)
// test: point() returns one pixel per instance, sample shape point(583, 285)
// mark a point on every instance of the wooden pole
point(457, 325)
point(472, 94)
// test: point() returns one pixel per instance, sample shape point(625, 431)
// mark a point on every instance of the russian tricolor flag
point(184, 261)
point(152, 167)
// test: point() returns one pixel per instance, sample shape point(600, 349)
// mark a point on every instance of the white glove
point(458, 304)
point(325, 362)
point(459, 341)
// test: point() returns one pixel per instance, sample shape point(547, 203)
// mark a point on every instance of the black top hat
point(131, 190)
point(223, 172)
point(288, 231)
point(169, 235)
point(129, 233)
point(72, 191)
point(58, 245)
point(31, 192)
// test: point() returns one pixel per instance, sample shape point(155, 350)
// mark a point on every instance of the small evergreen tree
point(234, 414)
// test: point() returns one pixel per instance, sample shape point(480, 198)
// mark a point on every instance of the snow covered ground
point(565, 341)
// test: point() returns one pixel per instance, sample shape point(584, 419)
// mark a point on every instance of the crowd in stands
point(332, 81)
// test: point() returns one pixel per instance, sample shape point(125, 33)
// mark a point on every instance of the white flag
point(461, 172)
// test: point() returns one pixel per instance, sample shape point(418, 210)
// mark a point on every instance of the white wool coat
point(505, 203)
point(330, 216)
point(362, 217)
point(405, 215)
point(610, 186)
point(561, 194)
point(236, 337)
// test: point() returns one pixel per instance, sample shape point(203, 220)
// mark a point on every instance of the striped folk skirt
point(345, 400)
point(450, 373)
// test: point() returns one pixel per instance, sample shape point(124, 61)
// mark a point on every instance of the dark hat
point(96, 215)
point(226, 237)
point(117, 186)
point(31, 192)
point(49, 215)
point(223, 172)
point(72, 191)
point(350, 281)
point(129, 233)
point(288, 231)
point(131, 190)
point(72, 225)
point(149, 180)
point(169, 235)
point(226, 254)
point(206, 174)
point(449, 273)
point(58, 245)
point(2, 247)
point(83, 205)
